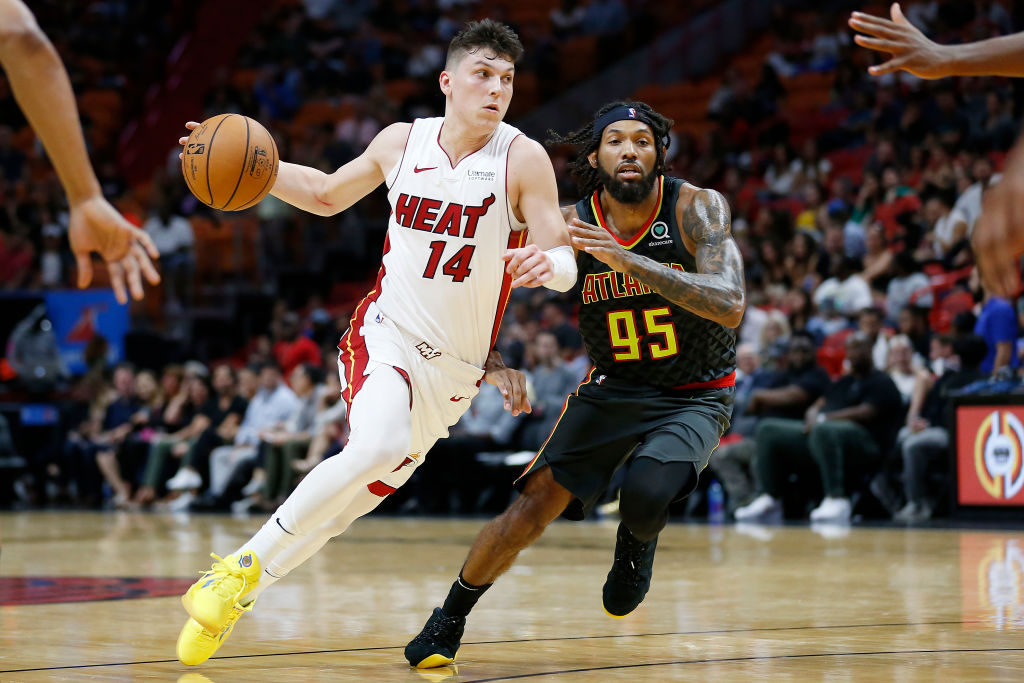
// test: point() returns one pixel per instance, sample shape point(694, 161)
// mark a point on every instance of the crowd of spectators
point(863, 315)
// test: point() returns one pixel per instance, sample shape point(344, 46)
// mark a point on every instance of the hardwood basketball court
point(95, 597)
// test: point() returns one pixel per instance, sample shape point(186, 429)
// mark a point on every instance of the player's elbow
point(21, 38)
point(734, 313)
point(322, 208)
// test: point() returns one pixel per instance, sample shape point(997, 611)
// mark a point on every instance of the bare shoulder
point(524, 152)
point(391, 138)
point(387, 148)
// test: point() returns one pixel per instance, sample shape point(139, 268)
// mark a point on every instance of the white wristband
point(563, 267)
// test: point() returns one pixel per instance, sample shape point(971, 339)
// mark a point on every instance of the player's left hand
point(95, 225)
point(512, 384)
point(529, 266)
point(597, 242)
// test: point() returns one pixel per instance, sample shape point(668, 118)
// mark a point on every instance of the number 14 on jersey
point(457, 267)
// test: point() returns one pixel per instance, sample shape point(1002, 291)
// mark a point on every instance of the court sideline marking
point(568, 638)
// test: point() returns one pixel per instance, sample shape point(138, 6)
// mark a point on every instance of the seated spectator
point(924, 441)
point(869, 323)
point(912, 321)
point(774, 339)
point(948, 229)
point(845, 432)
point(968, 204)
point(269, 409)
point(901, 368)
point(782, 170)
point(118, 423)
point(785, 394)
point(174, 239)
point(294, 348)
point(801, 261)
point(899, 204)
point(329, 428)
point(552, 381)
point(166, 444)
point(848, 291)
point(218, 421)
point(907, 286)
point(877, 259)
point(272, 479)
point(941, 354)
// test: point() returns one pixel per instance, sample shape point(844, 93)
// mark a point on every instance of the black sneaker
point(438, 642)
point(630, 576)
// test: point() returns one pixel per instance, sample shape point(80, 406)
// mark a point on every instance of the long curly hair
point(586, 142)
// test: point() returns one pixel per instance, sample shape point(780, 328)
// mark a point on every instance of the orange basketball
point(230, 162)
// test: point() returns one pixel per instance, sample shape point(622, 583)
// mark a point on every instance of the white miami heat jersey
point(442, 278)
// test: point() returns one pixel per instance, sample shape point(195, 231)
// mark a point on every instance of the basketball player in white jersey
point(462, 189)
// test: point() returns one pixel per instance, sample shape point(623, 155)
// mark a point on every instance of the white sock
point(299, 552)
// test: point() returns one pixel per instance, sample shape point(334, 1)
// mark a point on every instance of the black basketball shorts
point(605, 422)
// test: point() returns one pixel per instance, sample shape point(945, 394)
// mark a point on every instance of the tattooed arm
point(716, 291)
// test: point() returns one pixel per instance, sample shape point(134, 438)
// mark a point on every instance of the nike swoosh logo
point(417, 169)
point(456, 399)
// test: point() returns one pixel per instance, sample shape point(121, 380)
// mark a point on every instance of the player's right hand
point(911, 50)
point(95, 225)
point(998, 238)
point(191, 125)
point(528, 266)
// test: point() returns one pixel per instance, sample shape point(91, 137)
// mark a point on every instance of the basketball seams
point(241, 171)
point(271, 176)
point(209, 153)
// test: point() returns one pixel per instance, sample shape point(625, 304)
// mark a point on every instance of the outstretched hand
point(597, 242)
point(95, 225)
point(911, 50)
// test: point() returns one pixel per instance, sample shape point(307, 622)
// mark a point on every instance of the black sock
point(462, 597)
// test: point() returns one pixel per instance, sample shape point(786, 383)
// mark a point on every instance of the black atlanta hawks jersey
point(634, 334)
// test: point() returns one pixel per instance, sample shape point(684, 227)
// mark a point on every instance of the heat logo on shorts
point(998, 454)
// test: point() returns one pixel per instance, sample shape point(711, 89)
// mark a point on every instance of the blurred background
point(852, 197)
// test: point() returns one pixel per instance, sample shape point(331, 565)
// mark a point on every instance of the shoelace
point(626, 567)
point(440, 627)
point(220, 566)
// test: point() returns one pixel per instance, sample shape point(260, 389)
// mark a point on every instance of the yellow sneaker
point(212, 599)
point(196, 644)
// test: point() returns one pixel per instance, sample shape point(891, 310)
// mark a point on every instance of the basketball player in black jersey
point(661, 287)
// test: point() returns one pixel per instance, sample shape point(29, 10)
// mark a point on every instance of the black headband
point(621, 113)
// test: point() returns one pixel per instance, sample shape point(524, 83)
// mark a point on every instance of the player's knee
point(644, 516)
point(643, 510)
point(379, 455)
point(640, 506)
